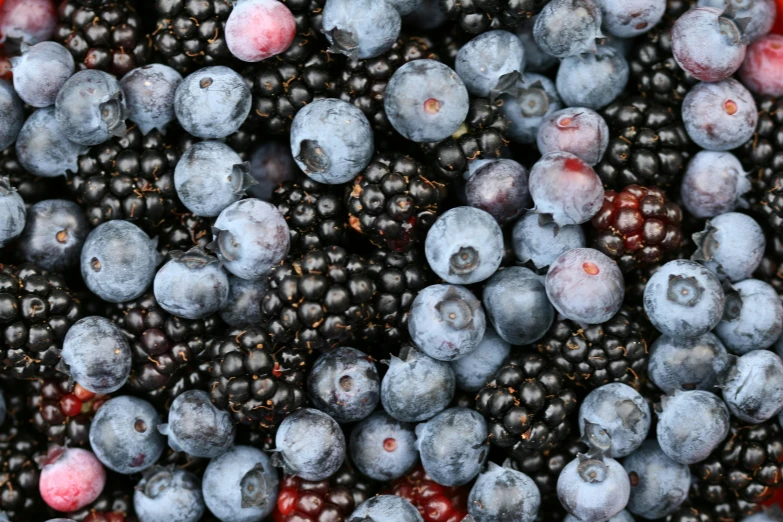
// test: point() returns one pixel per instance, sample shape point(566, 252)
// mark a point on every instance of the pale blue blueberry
point(593, 490)
point(659, 484)
point(168, 495)
point(197, 427)
point(687, 363)
point(192, 285)
point(491, 64)
point(41, 71)
point(44, 149)
point(382, 447)
point(535, 99)
point(90, 107)
point(706, 427)
point(149, 94)
point(501, 494)
point(96, 354)
point(752, 318)
point(731, 245)
point(12, 213)
point(212, 102)
point(476, 368)
point(621, 412)
point(714, 183)
point(344, 383)
point(541, 243)
point(592, 80)
point(362, 29)
point(11, 114)
point(310, 445)
point(753, 386)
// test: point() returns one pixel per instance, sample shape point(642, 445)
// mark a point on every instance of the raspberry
point(435, 503)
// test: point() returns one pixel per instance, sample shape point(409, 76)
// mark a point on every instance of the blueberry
point(124, 435)
point(621, 412)
point(361, 29)
point(568, 27)
point(385, 508)
point(536, 60)
point(731, 245)
point(242, 308)
point(592, 80)
point(542, 243)
point(310, 445)
point(687, 363)
point(90, 107)
point(768, 516)
point(753, 317)
point(428, 15)
point(719, 116)
point(54, 234)
point(658, 484)
point(622, 516)
point(426, 101)
point(446, 322)
point(593, 490)
point(149, 94)
point(331, 141)
point(578, 130)
point(405, 7)
point(499, 187)
point(11, 115)
point(714, 183)
point(40, 73)
point(753, 386)
point(270, 165)
point(168, 495)
point(683, 299)
point(12, 213)
point(344, 384)
point(707, 425)
point(759, 15)
point(197, 427)
point(503, 494)
point(416, 387)
point(212, 102)
point(383, 448)
point(43, 148)
point(629, 18)
point(240, 485)
point(475, 369)
point(491, 64)
point(517, 305)
point(118, 261)
point(535, 99)
point(453, 446)
point(585, 286)
point(251, 236)
point(192, 285)
point(97, 355)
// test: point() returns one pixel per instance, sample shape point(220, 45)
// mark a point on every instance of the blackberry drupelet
point(771, 268)
point(544, 467)
point(32, 188)
point(115, 504)
point(435, 503)
point(696, 509)
point(183, 231)
point(477, 16)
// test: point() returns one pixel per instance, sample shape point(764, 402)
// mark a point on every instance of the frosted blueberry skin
point(719, 116)
point(592, 80)
point(250, 237)
point(760, 517)
point(426, 101)
point(542, 243)
point(416, 387)
point(310, 445)
point(536, 60)
point(90, 107)
point(629, 18)
point(658, 484)
point(592, 490)
point(97, 355)
point(241, 485)
point(491, 63)
point(578, 130)
point(687, 363)
point(270, 165)
point(622, 516)
point(760, 14)
point(499, 187)
point(197, 427)
point(40, 73)
point(54, 234)
point(446, 322)
point(382, 447)
point(585, 286)
point(565, 189)
point(517, 305)
point(706, 427)
point(12, 213)
point(331, 141)
point(684, 299)
point(11, 115)
point(43, 148)
point(731, 246)
point(535, 99)
point(568, 27)
point(344, 384)
point(242, 308)
point(386, 508)
point(118, 261)
point(149, 95)
point(501, 494)
point(124, 435)
point(361, 29)
point(168, 495)
point(620, 411)
point(192, 285)
point(223, 100)
point(714, 183)
point(476, 368)
point(453, 446)
point(753, 386)
point(752, 318)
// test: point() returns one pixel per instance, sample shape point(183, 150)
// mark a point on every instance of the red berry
point(82, 393)
point(71, 478)
point(28, 21)
point(70, 405)
point(259, 29)
point(762, 70)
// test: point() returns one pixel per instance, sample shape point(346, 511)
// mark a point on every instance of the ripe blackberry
point(36, 310)
point(183, 231)
point(527, 403)
point(648, 144)
point(103, 35)
point(394, 201)
point(32, 188)
point(771, 270)
point(544, 467)
point(115, 504)
point(477, 16)
point(696, 509)
point(637, 226)
point(435, 503)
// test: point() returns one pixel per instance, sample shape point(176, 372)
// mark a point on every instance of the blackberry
point(434, 502)
point(32, 188)
point(183, 231)
point(527, 403)
point(103, 35)
point(115, 503)
point(544, 467)
point(477, 16)
point(695, 509)
point(771, 270)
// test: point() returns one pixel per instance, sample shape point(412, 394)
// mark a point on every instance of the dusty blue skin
point(592, 80)
point(517, 305)
point(692, 441)
point(383, 448)
point(761, 517)
point(593, 498)
point(453, 446)
point(97, 354)
point(344, 384)
point(687, 364)
point(501, 494)
point(446, 322)
point(714, 183)
point(475, 369)
point(731, 245)
point(331, 141)
point(752, 319)
point(223, 100)
point(709, 124)
point(565, 189)
point(536, 99)
point(118, 261)
point(43, 148)
point(191, 285)
point(753, 386)
point(568, 27)
point(55, 232)
point(12, 213)
point(620, 411)
point(464, 246)
point(410, 89)
point(310, 445)
point(241, 485)
point(662, 483)
point(499, 187)
point(11, 114)
point(168, 495)
point(708, 44)
point(197, 427)
point(242, 308)
point(585, 286)
point(760, 14)
point(684, 299)
point(416, 387)
point(491, 63)
point(622, 516)
point(124, 435)
point(385, 508)
point(149, 94)
point(250, 237)
point(270, 165)
point(629, 18)
point(361, 29)
point(578, 130)
point(542, 243)
point(536, 60)
point(90, 107)
point(40, 72)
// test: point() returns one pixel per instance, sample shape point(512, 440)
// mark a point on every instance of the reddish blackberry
point(435, 503)
point(477, 16)
point(103, 35)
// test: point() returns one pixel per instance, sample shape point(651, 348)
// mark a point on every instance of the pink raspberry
point(259, 29)
point(762, 70)
point(71, 478)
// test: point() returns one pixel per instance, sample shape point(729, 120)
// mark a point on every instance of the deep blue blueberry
point(96, 354)
point(382, 447)
point(344, 384)
point(706, 427)
point(41, 71)
point(90, 107)
point(197, 427)
point(503, 494)
point(310, 445)
point(517, 305)
point(361, 29)
point(491, 64)
point(621, 412)
point(12, 213)
point(212, 102)
point(11, 114)
point(714, 183)
point(44, 149)
point(168, 495)
point(731, 245)
point(476, 368)
point(593, 489)
point(687, 363)
point(658, 484)
point(753, 386)
point(753, 317)
point(55, 232)
point(592, 80)
point(243, 306)
point(191, 285)
point(149, 95)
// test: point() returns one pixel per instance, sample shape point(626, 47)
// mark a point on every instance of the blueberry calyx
point(194, 258)
point(159, 480)
point(591, 469)
point(733, 306)
point(343, 42)
point(313, 157)
point(734, 28)
point(685, 291)
point(464, 261)
point(114, 113)
point(597, 439)
point(223, 246)
point(455, 311)
point(254, 487)
point(280, 461)
point(706, 244)
point(534, 100)
point(5, 186)
point(240, 178)
point(507, 84)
